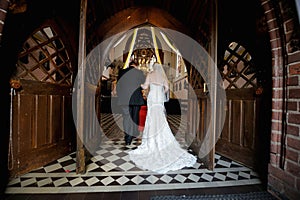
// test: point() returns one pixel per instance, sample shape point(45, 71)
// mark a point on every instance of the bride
point(159, 151)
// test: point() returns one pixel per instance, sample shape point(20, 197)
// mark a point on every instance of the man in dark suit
point(130, 98)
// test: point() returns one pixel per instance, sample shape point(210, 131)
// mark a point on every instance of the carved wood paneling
point(239, 135)
point(38, 133)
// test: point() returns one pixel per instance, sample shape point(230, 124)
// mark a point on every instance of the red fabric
point(142, 117)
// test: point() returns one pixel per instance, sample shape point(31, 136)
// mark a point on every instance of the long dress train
point(159, 151)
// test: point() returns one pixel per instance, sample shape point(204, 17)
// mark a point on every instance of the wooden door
point(199, 116)
point(239, 138)
point(198, 119)
point(42, 127)
point(86, 99)
point(202, 105)
point(239, 135)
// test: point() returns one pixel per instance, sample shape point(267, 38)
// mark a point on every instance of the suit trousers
point(130, 114)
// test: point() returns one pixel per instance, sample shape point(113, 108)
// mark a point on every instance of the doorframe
point(80, 151)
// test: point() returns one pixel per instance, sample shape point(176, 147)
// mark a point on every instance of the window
point(238, 71)
point(44, 58)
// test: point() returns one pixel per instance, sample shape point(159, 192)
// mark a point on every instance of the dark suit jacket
point(129, 89)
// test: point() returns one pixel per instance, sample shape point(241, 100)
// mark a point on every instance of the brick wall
point(284, 166)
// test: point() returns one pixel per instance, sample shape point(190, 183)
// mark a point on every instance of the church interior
point(234, 77)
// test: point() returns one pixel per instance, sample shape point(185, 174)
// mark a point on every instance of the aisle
point(111, 170)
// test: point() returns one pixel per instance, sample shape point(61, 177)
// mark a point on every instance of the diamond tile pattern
point(111, 170)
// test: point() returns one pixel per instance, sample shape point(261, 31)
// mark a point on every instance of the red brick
point(274, 34)
point(290, 26)
point(293, 57)
point(274, 148)
point(275, 137)
point(293, 143)
point(277, 71)
point(288, 37)
point(293, 168)
point(292, 130)
point(273, 159)
point(277, 82)
point(276, 115)
point(276, 52)
point(294, 69)
point(266, 6)
point(277, 94)
point(272, 25)
point(277, 105)
point(275, 44)
point(294, 93)
point(270, 16)
point(276, 126)
point(292, 106)
point(275, 183)
point(292, 155)
point(293, 81)
point(277, 63)
point(294, 118)
point(283, 176)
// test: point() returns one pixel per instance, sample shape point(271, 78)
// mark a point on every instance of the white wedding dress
point(159, 151)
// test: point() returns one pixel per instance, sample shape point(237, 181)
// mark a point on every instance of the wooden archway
point(136, 16)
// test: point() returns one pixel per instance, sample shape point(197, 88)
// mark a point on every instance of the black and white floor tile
point(111, 170)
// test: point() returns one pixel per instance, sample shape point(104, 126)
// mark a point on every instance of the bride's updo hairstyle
point(156, 66)
point(159, 70)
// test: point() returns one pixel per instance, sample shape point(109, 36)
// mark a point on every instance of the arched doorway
point(41, 101)
point(150, 18)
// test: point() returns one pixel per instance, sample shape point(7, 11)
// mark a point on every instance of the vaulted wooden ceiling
point(236, 19)
point(191, 13)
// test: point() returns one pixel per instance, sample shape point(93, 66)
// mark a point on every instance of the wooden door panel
point(40, 134)
point(249, 124)
point(24, 118)
point(236, 122)
point(198, 124)
point(226, 128)
point(42, 127)
point(56, 129)
point(238, 138)
point(68, 129)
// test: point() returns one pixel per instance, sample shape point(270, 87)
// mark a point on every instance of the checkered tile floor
point(111, 170)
